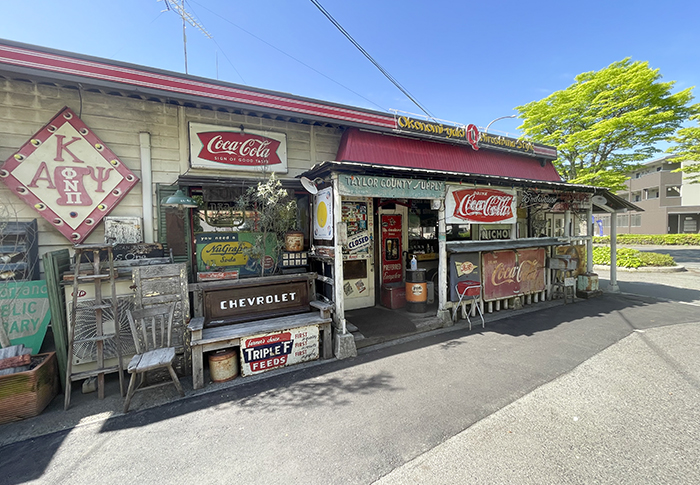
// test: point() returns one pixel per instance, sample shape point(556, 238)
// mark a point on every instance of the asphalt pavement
point(600, 391)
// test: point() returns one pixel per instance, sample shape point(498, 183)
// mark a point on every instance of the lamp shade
point(179, 200)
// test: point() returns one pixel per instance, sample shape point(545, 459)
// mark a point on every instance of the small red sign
point(483, 205)
point(238, 148)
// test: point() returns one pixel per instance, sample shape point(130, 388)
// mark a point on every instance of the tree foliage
point(607, 121)
point(687, 149)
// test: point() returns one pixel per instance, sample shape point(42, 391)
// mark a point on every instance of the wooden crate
point(26, 394)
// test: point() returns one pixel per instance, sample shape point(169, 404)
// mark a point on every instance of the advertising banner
point(265, 352)
point(479, 205)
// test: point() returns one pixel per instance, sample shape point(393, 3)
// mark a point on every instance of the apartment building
point(671, 204)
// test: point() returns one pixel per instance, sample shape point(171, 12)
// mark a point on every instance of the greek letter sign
point(479, 205)
point(261, 353)
point(68, 175)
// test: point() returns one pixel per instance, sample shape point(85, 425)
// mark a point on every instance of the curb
point(645, 269)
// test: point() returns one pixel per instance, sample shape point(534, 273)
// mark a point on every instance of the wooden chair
point(151, 328)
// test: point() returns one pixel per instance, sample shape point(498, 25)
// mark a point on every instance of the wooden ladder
point(97, 277)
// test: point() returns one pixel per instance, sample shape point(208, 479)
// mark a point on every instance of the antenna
point(178, 6)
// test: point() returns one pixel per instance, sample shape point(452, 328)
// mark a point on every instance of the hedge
point(653, 239)
point(631, 258)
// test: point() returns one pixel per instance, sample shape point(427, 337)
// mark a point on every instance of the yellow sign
point(229, 253)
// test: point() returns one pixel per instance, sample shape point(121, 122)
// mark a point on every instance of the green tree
point(687, 148)
point(607, 121)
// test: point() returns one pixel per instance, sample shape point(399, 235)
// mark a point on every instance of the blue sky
point(465, 61)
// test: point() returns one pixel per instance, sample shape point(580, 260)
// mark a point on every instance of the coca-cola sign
point(237, 149)
point(479, 205)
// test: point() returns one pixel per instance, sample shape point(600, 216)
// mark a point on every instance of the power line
point(288, 55)
point(371, 59)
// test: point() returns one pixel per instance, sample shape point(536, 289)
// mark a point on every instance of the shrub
point(654, 239)
point(631, 258)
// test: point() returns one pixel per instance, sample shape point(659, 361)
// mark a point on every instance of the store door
point(358, 253)
point(393, 244)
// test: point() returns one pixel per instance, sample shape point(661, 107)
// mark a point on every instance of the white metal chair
point(151, 328)
point(466, 289)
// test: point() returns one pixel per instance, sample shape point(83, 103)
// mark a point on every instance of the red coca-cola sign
point(238, 148)
point(481, 205)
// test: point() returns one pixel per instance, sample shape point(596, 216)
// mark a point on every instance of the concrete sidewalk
point(628, 415)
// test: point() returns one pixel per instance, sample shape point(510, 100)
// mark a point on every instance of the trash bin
point(416, 291)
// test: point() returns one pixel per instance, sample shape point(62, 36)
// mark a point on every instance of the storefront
point(365, 192)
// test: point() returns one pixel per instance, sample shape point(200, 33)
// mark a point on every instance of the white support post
point(338, 257)
point(590, 227)
point(613, 287)
point(443, 311)
point(146, 186)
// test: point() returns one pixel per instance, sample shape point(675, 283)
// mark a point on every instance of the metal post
point(613, 287)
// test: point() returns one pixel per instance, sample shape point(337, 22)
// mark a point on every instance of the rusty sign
point(261, 353)
point(68, 175)
point(512, 273)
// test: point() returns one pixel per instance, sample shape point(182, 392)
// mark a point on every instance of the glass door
point(358, 253)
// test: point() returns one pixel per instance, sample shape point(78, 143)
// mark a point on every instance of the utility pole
point(178, 6)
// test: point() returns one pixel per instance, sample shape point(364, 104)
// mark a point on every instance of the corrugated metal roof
point(384, 149)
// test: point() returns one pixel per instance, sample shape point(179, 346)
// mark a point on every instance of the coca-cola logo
point(483, 205)
point(238, 148)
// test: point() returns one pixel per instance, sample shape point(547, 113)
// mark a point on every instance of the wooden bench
point(215, 330)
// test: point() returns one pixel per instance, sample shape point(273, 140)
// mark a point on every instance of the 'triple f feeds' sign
point(68, 175)
point(261, 353)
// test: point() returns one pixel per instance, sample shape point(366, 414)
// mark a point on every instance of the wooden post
point(339, 296)
point(442, 261)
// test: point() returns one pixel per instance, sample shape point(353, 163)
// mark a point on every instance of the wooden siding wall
point(26, 106)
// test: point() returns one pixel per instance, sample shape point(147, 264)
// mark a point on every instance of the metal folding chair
point(467, 289)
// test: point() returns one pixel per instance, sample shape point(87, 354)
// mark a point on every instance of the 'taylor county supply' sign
point(68, 175)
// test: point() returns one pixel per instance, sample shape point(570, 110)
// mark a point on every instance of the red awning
point(381, 149)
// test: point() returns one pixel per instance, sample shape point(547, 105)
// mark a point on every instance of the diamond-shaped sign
point(68, 176)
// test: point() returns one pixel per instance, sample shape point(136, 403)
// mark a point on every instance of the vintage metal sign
point(68, 175)
point(390, 187)
point(494, 232)
point(217, 147)
point(470, 135)
point(265, 352)
point(479, 205)
point(463, 267)
point(392, 251)
point(25, 313)
point(250, 302)
point(323, 214)
point(229, 250)
point(511, 273)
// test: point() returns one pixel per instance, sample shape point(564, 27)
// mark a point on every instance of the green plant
point(631, 258)
point(275, 215)
point(652, 239)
